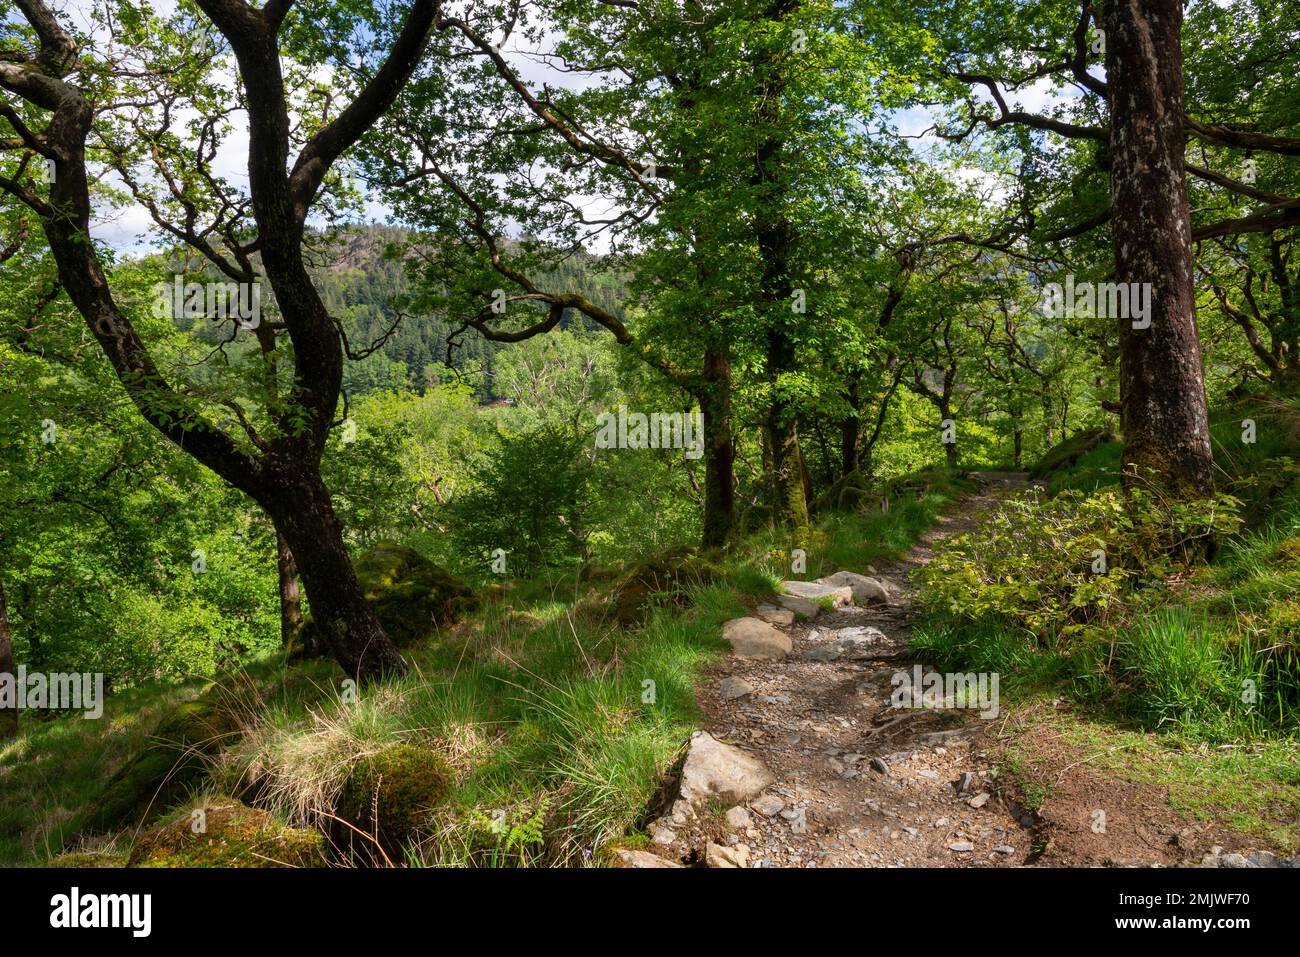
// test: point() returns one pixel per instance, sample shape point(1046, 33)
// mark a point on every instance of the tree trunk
point(8, 717)
point(287, 568)
point(290, 594)
point(850, 428)
point(719, 452)
point(788, 474)
point(775, 236)
point(945, 412)
point(301, 508)
point(1162, 388)
point(283, 474)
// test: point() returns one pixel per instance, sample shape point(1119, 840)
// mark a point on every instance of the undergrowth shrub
point(1062, 565)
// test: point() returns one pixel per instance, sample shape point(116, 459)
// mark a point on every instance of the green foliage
point(1176, 664)
point(527, 500)
point(1060, 566)
point(744, 157)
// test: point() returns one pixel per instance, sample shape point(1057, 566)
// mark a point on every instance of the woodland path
point(860, 786)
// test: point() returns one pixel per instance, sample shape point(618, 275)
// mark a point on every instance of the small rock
point(774, 615)
point(681, 812)
point(865, 590)
point(663, 836)
point(1004, 849)
point(738, 818)
point(853, 643)
point(965, 782)
point(642, 859)
point(768, 805)
point(878, 765)
point(715, 855)
point(754, 638)
point(714, 769)
point(801, 607)
point(961, 847)
point(979, 800)
point(732, 687)
point(814, 591)
point(943, 737)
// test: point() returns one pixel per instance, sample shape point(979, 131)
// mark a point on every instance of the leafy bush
point(1061, 565)
point(527, 500)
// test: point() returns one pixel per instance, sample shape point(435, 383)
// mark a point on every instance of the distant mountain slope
point(363, 286)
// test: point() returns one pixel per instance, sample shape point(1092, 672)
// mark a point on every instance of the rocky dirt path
point(853, 782)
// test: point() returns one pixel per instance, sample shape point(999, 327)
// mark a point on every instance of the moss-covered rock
point(752, 518)
point(81, 860)
point(411, 596)
point(518, 620)
point(222, 832)
point(1289, 549)
point(592, 572)
point(390, 794)
point(845, 494)
point(1064, 454)
point(163, 774)
point(660, 580)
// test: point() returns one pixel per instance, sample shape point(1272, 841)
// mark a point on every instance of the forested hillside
point(760, 433)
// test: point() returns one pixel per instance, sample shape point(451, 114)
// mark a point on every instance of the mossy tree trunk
point(290, 593)
point(1162, 389)
point(301, 508)
point(851, 427)
point(286, 567)
point(719, 450)
point(775, 236)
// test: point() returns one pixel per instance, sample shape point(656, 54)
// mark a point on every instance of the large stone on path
point(715, 855)
point(839, 595)
point(857, 643)
point(717, 770)
point(753, 638)
point(802, 607)
point(775, 616)
point(642, 859)
point(866, 591)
